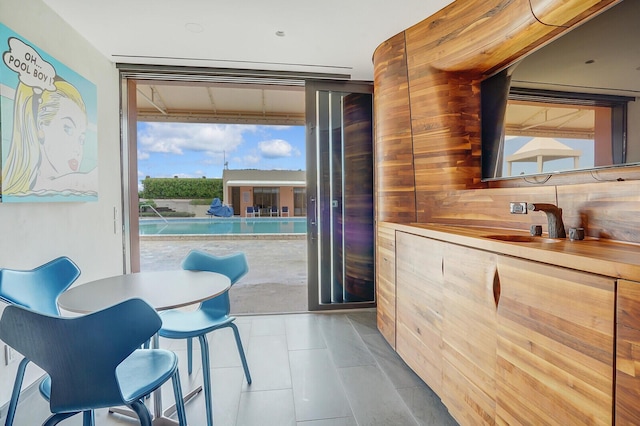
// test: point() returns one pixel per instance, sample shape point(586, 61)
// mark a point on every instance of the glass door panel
point(340, 195)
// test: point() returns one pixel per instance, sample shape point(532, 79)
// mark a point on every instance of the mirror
point(568, 106)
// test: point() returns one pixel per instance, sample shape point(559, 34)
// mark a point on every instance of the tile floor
point(308, 369)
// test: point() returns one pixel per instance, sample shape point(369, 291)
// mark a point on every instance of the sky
point(195, 150)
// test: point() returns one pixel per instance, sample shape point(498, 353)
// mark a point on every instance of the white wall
point(32, 234)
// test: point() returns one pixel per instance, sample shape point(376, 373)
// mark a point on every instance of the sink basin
point(522, 239)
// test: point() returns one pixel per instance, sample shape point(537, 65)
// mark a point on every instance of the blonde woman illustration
point(47, 143)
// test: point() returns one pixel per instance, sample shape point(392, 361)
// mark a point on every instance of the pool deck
point(277, 277)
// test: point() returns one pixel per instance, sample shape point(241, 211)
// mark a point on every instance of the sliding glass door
point(340, 195)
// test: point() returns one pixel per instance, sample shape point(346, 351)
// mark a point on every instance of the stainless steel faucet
point(554, 218)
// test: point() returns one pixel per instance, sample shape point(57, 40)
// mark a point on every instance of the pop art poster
point(48, 124)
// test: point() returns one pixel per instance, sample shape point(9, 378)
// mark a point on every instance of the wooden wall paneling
point(386, 283)
point(446, 130)
point(486, 207)
point(419, 282)
point(555, 345)
point(394, 174)
point(627, 409)
point(606, 210)
point(469, 340)
point(483, 36)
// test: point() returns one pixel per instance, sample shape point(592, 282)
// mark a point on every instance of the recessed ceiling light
point(280, 33)
point(193, 27)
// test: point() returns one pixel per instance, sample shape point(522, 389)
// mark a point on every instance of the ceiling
point(331, 39)
point(332, 36)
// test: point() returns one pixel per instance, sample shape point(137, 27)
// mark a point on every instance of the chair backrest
point(234, 266)
point(285, 209)
point(274, 209)
point(38, 289)
point(80, 353)
point(250, 209)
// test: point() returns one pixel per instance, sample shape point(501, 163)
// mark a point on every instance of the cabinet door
point(386, 283)
point(555, 345)
point(469, 334)
point(628, 353)
point(419, 306)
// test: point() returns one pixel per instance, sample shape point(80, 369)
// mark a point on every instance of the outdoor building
point(264, 189)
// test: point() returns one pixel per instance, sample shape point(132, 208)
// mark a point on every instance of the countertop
point(603, 257)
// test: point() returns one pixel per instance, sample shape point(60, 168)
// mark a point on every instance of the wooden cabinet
point(386, 282)
point(508, 341)
point(420, 278)
point(555, 345)
point(469, 334)
point(627, 410)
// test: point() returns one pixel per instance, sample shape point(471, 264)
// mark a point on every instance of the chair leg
point(17, 385)
point(54, 419)
point(177, 394)
point(241, 352)
point(143, 413)
point(88, 419)
point(206, 375)
point(189, 355)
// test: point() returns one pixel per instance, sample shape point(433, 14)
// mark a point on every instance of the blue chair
point(251, 212)
point(273, 210)
point(212, 315)
point(37, 289)
point(92, 360)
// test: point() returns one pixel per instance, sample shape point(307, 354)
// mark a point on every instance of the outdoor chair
point(284, 211)
point(250, 212)
point(37, 289)
point(92, 360)
point(213, 314)
point(273, 211)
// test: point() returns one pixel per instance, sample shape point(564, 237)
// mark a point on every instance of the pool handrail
point(156, 211)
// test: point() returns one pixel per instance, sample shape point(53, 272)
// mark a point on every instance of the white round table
point(160, 289)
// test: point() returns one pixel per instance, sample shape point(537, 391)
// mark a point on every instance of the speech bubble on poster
point(32, 69)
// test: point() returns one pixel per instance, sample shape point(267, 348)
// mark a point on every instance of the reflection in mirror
point(550, 132)
point(569, 105)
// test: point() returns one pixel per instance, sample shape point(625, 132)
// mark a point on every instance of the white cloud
point(277, 148)
point(175, 138)
point(250, 160)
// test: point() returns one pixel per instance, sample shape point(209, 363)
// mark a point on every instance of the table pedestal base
point(164, 419)
point(188, 397)
point(157, 421)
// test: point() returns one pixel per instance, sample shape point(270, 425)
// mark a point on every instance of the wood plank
point(555, 345)
point(419, 306)
point(469, 332)
point(627, 409)
point(386, 282)
point(394, 174)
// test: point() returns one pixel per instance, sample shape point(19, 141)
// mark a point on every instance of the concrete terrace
point(277, 278)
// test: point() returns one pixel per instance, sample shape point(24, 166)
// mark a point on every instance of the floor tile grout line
point(384, 373)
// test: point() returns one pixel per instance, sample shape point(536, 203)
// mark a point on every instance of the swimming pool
point(224, 226)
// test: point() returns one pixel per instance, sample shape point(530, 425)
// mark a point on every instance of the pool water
point(228, 225)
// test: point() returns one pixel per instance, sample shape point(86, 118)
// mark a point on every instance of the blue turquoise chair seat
point(140, 373)
point(37, 289)
point(211, 315)
point(92, 361)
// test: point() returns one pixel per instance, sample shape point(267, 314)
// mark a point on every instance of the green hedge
point(181, 188)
